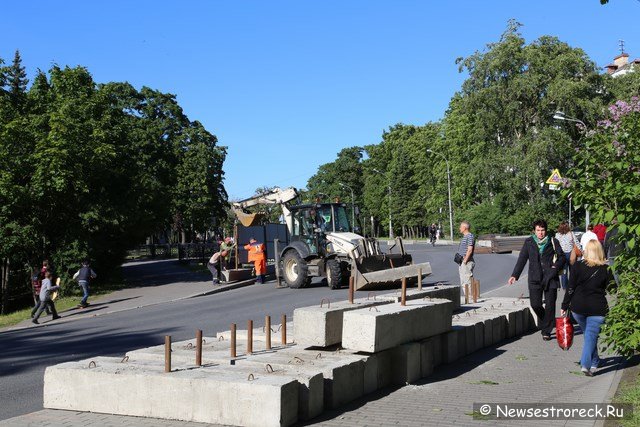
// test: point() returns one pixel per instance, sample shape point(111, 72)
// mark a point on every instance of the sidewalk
point(150, 283)
point(524, 370)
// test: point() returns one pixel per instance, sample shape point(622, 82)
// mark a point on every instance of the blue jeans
point(590, 326)
point(85, 291)
point(564, 279)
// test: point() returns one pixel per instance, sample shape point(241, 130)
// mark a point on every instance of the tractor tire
point(334, 274)
point(294, 270)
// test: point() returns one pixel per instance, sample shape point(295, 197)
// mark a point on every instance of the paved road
point(25, 353)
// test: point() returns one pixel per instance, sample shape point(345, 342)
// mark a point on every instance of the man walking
point(83, 276)
point(465, 250)
point(546, 259)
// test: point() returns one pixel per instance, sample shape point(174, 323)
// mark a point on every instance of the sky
point(285, 85)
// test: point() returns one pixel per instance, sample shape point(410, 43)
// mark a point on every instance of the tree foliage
point(606, 177)
point(90, 170)
point(498, 136)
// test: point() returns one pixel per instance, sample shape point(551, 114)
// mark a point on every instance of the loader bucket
point(389, 275)
point(248, 219)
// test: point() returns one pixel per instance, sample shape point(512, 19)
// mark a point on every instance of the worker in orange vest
point(257, 254)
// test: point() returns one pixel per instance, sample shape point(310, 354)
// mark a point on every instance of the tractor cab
point(312, 222)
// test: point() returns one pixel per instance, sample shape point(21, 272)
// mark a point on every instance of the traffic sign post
point(554, 180)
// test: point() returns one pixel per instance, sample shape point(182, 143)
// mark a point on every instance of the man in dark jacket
point(546, 259)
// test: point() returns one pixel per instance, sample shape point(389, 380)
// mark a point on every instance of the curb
point(613, 388)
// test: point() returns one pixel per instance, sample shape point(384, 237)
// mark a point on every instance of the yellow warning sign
point(555, 178)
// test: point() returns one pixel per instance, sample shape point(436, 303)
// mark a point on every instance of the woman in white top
point(567, 241)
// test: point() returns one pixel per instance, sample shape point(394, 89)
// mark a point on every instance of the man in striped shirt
point(465, 250)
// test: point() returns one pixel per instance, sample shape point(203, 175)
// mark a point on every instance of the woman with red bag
point(585, 297)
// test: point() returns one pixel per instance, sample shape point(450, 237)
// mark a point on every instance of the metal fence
point(200, 252)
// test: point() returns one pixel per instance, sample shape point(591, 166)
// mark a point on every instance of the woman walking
point(567, 242)
point(585, 298)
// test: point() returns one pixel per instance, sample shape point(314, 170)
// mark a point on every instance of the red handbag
point(564, 331)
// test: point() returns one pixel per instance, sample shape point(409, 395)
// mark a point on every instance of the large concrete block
point(379, 328)
point(207, 395)
point(183, 353)
point(344, 373)
point(435, 343)
point(427, 357)
point(310, 387)
point(405, 363)
point(448, 292)
point(260, 336)
point(454, 344)
point(322, 326)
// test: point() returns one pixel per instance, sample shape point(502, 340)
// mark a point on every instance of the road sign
point(555, 178)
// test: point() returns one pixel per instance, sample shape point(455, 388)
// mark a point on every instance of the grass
point(72, 296)
point(629, 393)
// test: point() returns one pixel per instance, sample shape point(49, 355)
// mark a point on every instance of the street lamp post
point(429, 150)
point(389, 188)
point(353, 206)
point(560, 115)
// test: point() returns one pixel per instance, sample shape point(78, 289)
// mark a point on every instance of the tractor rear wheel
point(295, 270)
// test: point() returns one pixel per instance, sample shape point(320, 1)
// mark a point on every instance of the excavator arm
point(276, 196)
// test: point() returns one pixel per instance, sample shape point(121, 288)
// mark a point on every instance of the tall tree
point(17, 81)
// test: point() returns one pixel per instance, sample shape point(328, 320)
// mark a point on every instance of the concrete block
point(379, 328)
point(236, 275)
point(450, 341)
point(436, 344)
point(405, 363)
point(322, 326)
point(206, 395)
point(260, 335)
point(511, 326)
point(344, 373)
point(310, 383)
point(448, 292)
point(499, 329)
point(488, 332)
point(427, 357)
point(183, 353)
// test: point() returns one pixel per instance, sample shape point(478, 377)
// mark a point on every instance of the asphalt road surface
point(24, 354)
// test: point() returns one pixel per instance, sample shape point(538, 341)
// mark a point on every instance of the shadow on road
point(29, 349)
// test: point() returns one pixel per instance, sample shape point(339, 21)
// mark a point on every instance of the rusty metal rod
point(403, 298)
point(233, 340)
point(267, 330)
point(198, 347)
point(351, 289)
point(249, 336)
point(167, 353)
point(420, 279)
point(476, 290)
point(283, 325)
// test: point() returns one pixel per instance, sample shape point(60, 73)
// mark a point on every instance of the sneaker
point(56, 317)
point(35, 321)
point(546, 337)
point(587, 372)
point(593, 370)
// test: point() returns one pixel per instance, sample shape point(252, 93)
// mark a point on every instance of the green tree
point(17, 81)
point(607, 179)
point(499, 129)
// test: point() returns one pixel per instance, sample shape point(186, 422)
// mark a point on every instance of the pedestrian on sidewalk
point(36, 285)
point(465, 250)
point(546, 259)
point(588, 235)
point(84, 276)
point(586, 299)
point(45, 298)
point(257, 254)
point(214, 265)
point(567, 242)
